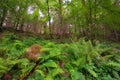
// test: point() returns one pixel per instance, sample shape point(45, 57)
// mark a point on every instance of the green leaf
point(49, 78)
point(75, 75)
point(41, 72)
point(79, 62)
point(56, 72)
point(93, 73)
point(3, 71)
point(50, 63)
point(3, 67)
point(116, 74)
point(113, 64)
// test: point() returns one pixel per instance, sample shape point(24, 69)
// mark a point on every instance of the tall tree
point(49, 19)
point(60, 15)
point(3, 10)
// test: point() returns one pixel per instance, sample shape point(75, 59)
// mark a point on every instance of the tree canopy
point(91, 18)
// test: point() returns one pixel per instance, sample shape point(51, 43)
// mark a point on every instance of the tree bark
point(90, 24)
point(3, 18)
point(49, 18)
point(95, 27)
point(60, 18)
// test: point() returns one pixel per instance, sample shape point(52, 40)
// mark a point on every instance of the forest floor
point(77, 60)
point(0, 35)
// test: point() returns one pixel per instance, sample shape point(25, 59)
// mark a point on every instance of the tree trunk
point(90, 19)
point(95, 24)
point(83, 1)
point(60, 18)
point(3, 18)
point(48, 8)
point(116, 35)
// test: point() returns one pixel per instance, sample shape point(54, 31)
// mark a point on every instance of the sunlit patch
point(30, 10)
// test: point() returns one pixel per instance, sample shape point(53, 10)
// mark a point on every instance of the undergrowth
point(79, 60)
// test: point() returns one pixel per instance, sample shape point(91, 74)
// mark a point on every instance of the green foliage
point(75, 75)
point(79, 60)
point(84, 17)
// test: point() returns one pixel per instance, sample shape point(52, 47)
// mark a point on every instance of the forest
point(59, 39)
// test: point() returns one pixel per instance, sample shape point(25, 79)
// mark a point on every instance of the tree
point(3, 10)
